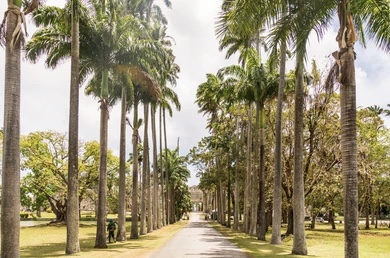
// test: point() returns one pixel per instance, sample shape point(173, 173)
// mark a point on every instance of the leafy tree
point(45, 157)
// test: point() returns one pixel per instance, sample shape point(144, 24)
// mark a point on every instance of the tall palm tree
point(72, 236)
point(365, 12)
point(11, 37)
point(107, 45)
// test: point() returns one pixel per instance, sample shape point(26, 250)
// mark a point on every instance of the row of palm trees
point(245, 25)
point(121, 51)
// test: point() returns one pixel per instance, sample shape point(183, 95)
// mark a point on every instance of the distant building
point(196, 198)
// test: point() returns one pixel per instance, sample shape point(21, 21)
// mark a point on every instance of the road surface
point(198, 239)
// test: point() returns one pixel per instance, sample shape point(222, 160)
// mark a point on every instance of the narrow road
point(198, 239)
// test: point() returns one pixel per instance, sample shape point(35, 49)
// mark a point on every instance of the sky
point(45, 92)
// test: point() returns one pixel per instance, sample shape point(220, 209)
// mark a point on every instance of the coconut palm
point(11, 36)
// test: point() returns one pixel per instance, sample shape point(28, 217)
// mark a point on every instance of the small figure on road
point(111, 229)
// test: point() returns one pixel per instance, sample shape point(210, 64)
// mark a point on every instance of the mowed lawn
point(321, 242)
point(49, 241)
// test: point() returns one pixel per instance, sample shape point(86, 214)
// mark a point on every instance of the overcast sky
point(45, 92)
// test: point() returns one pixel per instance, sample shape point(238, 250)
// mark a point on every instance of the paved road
point(198, 239)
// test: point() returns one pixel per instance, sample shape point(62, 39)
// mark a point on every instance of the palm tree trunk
point(255, 177)
point(167, 200)
point(163, 199)
point(248, 172)
point(346, 61)
point(10, 191)
point(262, 224)
point(228, 194)
point(121, 234)
point(134, 199)
point(149, 213)
point(72, 209)
point(156, 207)
point(236, 171)
point(299, 241)
point(348, 153)
point(144, 187)
point(277, 200)
point(100, 241)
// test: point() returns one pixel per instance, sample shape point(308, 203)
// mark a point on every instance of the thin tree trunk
point(248, 172)
point(167, 200)
point(163, 199)
point(331, 219)
point(100, 241)
point(255, 177)
point(134, 199)
point(121, 234)
point(10, 191)
point(149, 214)
point(367, 210)
point(156, 207)
point(262, 224)
point(277, 200)
point(72, 209)
point(229, 211)
point(236, 190)
point(299, 241)
point(144, 187)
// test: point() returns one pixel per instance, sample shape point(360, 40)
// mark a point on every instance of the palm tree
point(72, 236)
point(255, 84)
point(178, 173)
point(364, 13)
point(107, 44)
point(11, 37)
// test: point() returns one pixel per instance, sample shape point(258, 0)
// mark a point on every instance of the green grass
point(49, 241)
point(321, 242)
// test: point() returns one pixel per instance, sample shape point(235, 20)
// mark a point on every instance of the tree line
point(45, 159)
point(228, 161)
point(238, 99)
point(119, 51)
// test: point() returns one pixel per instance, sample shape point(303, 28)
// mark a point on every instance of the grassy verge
point(321, 242)
point(49, 241)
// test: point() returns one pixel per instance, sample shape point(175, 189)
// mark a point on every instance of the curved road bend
point(198, 239)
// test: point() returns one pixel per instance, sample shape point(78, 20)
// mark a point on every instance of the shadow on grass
point(256, 248)
point(87, 246)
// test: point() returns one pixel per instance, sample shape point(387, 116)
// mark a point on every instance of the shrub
point(23, 215)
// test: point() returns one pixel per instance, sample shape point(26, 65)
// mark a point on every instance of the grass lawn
point(49, 241)
point(321, 242)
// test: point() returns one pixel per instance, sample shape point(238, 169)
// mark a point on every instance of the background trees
point(45, 158)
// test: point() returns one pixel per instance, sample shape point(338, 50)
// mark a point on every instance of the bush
point(23, 215)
